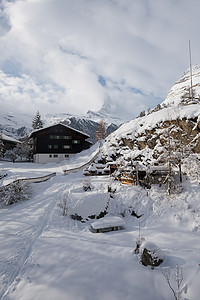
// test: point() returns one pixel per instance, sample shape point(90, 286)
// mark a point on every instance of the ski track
point(71, 236)
point(25, 247)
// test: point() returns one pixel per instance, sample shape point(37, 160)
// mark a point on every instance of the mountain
point(145, 137)
point(19, 125)
point(180, 88)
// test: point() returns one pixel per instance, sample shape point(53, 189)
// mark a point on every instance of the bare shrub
point(63, 204)
point(175, 282)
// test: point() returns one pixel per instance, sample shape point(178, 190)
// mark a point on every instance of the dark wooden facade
point(59, 138)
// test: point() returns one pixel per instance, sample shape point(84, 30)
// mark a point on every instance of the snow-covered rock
point(151, 254)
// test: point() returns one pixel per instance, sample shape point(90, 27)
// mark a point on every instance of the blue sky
point(74, 56)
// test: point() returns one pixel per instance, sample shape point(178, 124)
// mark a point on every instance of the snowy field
point(45, 255)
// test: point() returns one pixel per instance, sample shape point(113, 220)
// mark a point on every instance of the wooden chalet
point(57, 142)
point(8, 142)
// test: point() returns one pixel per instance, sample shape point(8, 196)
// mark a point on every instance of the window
point(60, 137)
point(49, 146)
point(55, 146)
point(66, 146)
point(76, 141)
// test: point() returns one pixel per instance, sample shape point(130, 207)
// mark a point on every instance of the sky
point(73, 56)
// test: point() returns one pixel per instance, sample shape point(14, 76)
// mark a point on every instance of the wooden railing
point(31, 180)
point(74, 170)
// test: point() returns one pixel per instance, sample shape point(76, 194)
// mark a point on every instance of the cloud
point(78, 54)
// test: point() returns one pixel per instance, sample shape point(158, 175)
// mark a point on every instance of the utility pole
point(191, 91)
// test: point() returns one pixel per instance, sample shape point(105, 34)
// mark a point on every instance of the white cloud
point(65, 45)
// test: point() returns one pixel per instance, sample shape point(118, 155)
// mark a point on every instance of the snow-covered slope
point(182, 85)
point(45, 255)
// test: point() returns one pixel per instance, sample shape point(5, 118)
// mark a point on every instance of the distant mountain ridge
point(19, 125)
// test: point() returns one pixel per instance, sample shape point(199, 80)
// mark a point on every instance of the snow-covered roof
point(108, 222)
point(8, 138)
point(159, 168)
point(38, 130)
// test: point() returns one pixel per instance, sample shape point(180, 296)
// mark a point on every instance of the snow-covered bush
point(11, 154)
point(23, 150)
point(15, 192)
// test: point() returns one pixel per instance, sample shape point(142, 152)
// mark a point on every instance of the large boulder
point(151, 254)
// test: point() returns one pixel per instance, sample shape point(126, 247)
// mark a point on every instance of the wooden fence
point(74, 170)
point(31, 180)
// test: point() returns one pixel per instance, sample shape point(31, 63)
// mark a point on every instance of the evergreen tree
point(37, 122)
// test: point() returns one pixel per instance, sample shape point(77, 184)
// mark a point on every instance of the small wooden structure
point(107, 224)
point(96, 169)
point(129, 179)
point(9, 142)
point(158, 174)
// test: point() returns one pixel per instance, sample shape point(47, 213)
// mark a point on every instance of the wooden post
point(191, 91)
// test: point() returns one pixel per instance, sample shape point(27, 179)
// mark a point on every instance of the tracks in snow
point(22, 250)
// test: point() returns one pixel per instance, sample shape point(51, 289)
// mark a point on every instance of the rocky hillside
point(145, 137)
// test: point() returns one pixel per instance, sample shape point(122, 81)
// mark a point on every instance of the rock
point(151, 254)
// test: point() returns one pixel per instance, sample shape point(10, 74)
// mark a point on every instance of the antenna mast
point(191, 91)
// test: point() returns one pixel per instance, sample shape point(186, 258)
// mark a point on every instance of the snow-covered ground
point(45, 255)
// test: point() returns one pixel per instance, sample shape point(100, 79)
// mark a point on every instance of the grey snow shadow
point(173, 261)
